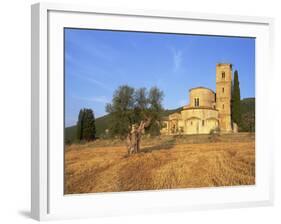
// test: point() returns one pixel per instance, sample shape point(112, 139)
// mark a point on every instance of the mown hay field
point(164, 163)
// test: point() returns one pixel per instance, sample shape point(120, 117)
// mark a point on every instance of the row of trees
point(131, 106)
point(86, 128)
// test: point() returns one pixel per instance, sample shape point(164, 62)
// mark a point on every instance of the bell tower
point(223, 95)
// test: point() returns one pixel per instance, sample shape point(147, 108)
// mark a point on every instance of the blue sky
point(97, 62)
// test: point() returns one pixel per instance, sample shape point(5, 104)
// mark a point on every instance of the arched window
point(223, 75)
point(223, 106)
point(203, 122)
point(196, 102)
point(222, 89)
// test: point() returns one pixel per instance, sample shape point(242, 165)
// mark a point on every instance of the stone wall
point(206, 97)
point(223, 95)
point(199, 120)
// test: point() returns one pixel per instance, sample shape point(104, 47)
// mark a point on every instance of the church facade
point(208, 111)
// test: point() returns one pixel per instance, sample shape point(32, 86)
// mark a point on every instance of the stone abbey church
point(207, 110)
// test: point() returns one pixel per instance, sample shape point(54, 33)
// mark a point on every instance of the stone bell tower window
point(196, 102)
point(223, 75)
point(222, 89)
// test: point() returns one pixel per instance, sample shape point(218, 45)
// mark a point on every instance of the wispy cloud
point(98, 83)
point(177, 59)
point(99, 99)
point(97, 49)
point(93, 81)
point(96, 99)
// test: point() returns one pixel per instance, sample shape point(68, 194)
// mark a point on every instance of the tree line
point(129, 106)
point(243, 113)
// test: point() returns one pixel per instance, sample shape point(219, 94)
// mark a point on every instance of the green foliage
point(85, 128)
point(247, 115)
point(102, 124)
point(70, 134)
point(121, 111)
point(131, 106)
point(155, 109)
point(89, 129)
point(235, 104)
point(243, 111)
point(141, 99)
point(155, 99)
point(140, 104)
point(80, 125)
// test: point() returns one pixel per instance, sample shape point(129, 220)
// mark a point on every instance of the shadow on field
point(165, 145)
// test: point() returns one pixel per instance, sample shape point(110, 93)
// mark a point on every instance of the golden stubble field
point(164, 163)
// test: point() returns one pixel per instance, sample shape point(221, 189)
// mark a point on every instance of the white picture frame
point(48, 201)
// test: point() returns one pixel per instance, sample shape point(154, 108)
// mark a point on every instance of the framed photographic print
point(138, 111)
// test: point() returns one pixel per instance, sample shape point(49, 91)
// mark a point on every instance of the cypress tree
point(236, 108)
point(89, 128)
point(80, 125)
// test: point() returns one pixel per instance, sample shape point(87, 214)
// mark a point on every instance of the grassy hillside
point(101, 124)
point(70, 134)
point(247, 114)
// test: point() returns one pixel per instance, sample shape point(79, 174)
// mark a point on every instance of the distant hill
point(70, 134)
point(168, 112)
point(247, 105)
point(247, 114)
point(102, 123)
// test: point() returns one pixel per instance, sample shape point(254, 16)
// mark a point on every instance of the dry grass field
point(164, 163)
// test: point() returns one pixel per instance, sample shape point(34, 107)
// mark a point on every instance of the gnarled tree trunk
point(134, 137)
